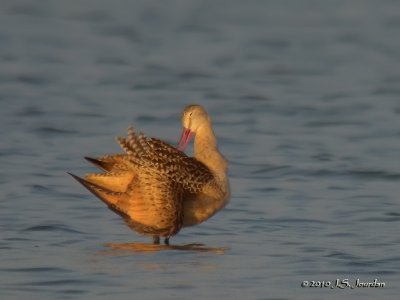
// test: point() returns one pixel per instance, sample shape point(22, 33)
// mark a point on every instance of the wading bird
point(156, 188)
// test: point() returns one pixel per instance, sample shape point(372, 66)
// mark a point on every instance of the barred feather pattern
point(163, 159)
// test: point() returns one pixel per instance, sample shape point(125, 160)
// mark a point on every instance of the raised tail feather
point(114, 181)
point(108, 162)
point(107, 166)
point(107, 196)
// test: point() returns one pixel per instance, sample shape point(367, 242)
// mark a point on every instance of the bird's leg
point(156, 239)
point(166, 241)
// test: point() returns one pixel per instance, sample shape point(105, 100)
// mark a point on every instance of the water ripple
point(37, 270)
point(30, 111)
point(52, 228)
point(350, 173)
point(51, 131)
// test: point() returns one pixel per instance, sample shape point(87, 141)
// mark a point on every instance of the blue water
point(305, 102)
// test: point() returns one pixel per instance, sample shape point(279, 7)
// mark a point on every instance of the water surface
point(304, 98)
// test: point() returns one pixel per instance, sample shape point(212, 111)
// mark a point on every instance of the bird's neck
point(206, 151)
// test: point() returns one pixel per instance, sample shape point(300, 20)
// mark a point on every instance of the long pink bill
point(185, 139)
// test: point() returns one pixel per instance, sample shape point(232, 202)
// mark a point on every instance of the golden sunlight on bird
point(156, 188)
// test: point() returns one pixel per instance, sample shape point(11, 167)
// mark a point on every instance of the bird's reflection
point(115, 248)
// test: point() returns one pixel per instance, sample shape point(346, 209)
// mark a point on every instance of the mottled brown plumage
point(156, 188)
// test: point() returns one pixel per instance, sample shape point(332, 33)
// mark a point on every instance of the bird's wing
point(166, 161)
point(150, 204)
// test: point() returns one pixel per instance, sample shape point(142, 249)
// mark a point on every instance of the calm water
point(305, 100)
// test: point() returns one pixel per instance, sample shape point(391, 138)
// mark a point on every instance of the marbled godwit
point(156, 188)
